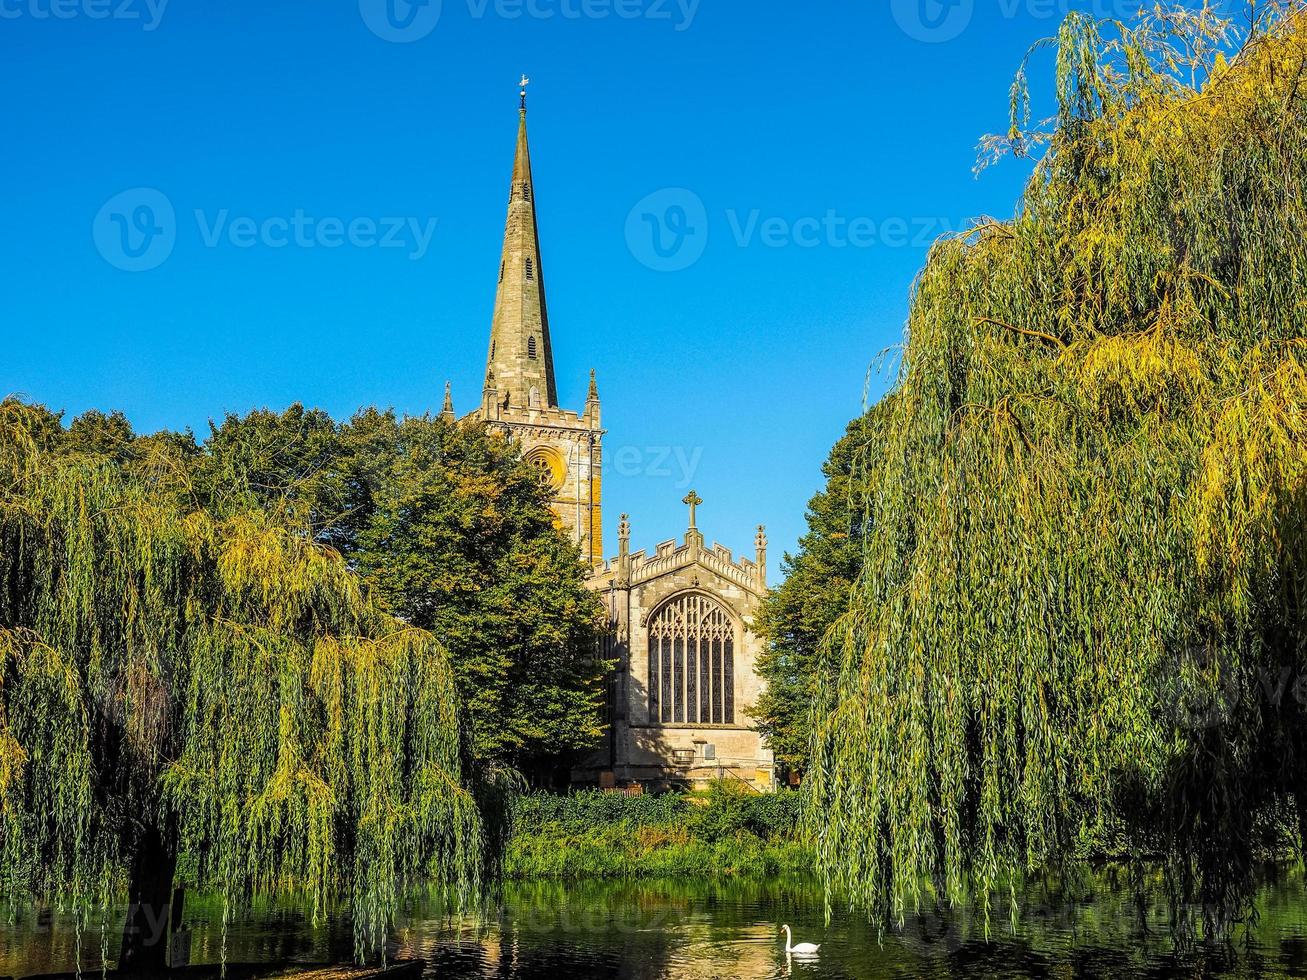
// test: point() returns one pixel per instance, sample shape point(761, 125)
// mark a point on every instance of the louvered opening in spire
point(521, 357)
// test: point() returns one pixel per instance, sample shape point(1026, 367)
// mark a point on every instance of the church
point(679, 699)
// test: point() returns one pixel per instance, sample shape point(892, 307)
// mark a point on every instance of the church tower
point(520, 396)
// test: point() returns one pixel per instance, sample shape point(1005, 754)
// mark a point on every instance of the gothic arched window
point(692, 663)
point(530, 268)
point(531, 347)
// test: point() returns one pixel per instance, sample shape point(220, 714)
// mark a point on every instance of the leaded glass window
point(691, 663)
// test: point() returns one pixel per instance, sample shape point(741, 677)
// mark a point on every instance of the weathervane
point(524, 83)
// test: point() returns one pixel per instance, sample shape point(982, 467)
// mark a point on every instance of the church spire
point(521, 356)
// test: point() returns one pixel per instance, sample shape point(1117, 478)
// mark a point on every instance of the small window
point(501, 270)
point(530, 268)
point(526, 191)
point(492, 350)
point(531, 348)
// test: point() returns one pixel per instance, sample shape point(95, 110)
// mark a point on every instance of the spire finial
point(594, 387)
point(448, 410)
point(524, 83)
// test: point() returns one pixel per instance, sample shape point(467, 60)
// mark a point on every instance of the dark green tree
point(796, 616)
point(445, 523)
point(456, 533)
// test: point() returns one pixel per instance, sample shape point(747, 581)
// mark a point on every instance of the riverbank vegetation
point(1084, 564)
point(727, 832)
point(204, 652)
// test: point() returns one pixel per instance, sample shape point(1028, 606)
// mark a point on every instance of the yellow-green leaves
point(1081, 611)
point(224, 681)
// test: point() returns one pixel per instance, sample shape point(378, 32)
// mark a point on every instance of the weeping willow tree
point(171, 683)
point(1082, 606)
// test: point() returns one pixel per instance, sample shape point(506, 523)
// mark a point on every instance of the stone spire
point(447, 412)
point(521, 356)
point(760, 551)
point(592, 402)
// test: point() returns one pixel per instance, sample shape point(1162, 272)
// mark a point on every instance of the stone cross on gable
point(693, 500)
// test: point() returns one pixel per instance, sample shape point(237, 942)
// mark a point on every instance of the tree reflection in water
point(701, 930)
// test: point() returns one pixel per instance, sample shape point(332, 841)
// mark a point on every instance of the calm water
point(697, 930)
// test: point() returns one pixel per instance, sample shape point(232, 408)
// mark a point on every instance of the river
point(700, 930)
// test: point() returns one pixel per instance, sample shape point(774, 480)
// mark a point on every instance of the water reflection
point(701, 931)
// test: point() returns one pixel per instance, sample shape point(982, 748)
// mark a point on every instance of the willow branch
point(1039, 335)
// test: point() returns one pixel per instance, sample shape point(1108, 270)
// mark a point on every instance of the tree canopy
point(174, 679)
point(797, 614)
point(1081, 604)
point(448, 527)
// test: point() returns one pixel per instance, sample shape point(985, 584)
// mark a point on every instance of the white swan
point(802, 947)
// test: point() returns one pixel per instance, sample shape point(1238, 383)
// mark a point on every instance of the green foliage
point(215, 683)
point(796, 616)
point(589, 808)
point(445, 523)
point(1082, 599)
point(728, 832)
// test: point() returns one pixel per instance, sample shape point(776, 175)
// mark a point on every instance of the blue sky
point(326, 185)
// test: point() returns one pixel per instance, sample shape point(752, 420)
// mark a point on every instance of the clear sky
point(218, 205)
